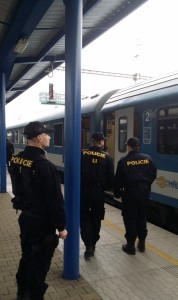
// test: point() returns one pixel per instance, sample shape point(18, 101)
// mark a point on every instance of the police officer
point(134, 176)
point(97, 175)
point(9, 151)
point(37, 191)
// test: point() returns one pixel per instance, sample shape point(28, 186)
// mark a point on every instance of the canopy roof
point(40, 26)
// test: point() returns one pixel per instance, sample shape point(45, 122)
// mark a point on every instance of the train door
point(124, 129)
point(109, 129)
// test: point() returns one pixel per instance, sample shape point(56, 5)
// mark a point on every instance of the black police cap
point(36, 128)
point(133, 142)
point(98, 136)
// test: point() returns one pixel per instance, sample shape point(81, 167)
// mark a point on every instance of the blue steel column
point(2, 135)
point(73, 46)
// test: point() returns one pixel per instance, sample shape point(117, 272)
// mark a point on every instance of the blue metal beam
point(34, 60)
point(27, 17)
point(42, 55)
point(73, 47)
point(2, 135)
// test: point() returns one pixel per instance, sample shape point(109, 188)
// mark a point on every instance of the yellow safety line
point(149, 246)
point(162, 254)
point(114, 226)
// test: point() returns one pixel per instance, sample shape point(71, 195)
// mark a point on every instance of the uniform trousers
point(91, 213)
point(38, 243)
point(134, 212)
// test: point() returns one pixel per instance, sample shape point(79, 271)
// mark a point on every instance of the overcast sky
point(145, 42)
point(149, 32)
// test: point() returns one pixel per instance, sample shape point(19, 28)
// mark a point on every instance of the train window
point(168, 131)
point(9, 135)
point(16, 137)
point(13, 138)
point(58, 134)
point(24, 139)
point(21, 137)
point(173, 111)
point(122, 145)
point(85, 136)
point(162, 112)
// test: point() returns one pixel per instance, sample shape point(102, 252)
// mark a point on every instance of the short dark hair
point(133, 142)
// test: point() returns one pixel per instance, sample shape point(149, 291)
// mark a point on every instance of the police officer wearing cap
point(97, 175)
point(134, 175)
point(37, 190)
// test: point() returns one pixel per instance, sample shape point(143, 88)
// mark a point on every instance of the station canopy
point(32, 36)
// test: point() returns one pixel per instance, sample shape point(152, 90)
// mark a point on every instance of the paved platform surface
point(109, 275)
point(59, 288)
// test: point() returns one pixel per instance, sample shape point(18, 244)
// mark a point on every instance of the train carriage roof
point(40, 25)
point(88, 106)
point(143, 91)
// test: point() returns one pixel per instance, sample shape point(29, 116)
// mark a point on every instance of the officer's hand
point(63, 234)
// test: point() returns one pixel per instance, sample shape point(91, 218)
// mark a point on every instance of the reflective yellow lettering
point(94, 153)
point(24, 163)
point(138, 162)
point(30, 163)
point(21, 161)
point(94, 160)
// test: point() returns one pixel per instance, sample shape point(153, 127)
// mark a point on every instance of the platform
point(110, 275)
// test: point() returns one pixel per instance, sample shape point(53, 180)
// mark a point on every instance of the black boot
point(141, 245)
point(89, 251)
point(128, 248)
point(23, 297)
point(22, 293)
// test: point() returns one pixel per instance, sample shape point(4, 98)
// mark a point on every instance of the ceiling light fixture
point(21, 45)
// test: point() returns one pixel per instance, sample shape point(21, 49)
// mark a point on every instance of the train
point(147, 110)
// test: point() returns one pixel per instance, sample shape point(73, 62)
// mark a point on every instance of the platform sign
point(147, 126)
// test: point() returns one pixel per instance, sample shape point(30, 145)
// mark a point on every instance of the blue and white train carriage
point(90, 121)
point(148, 110)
